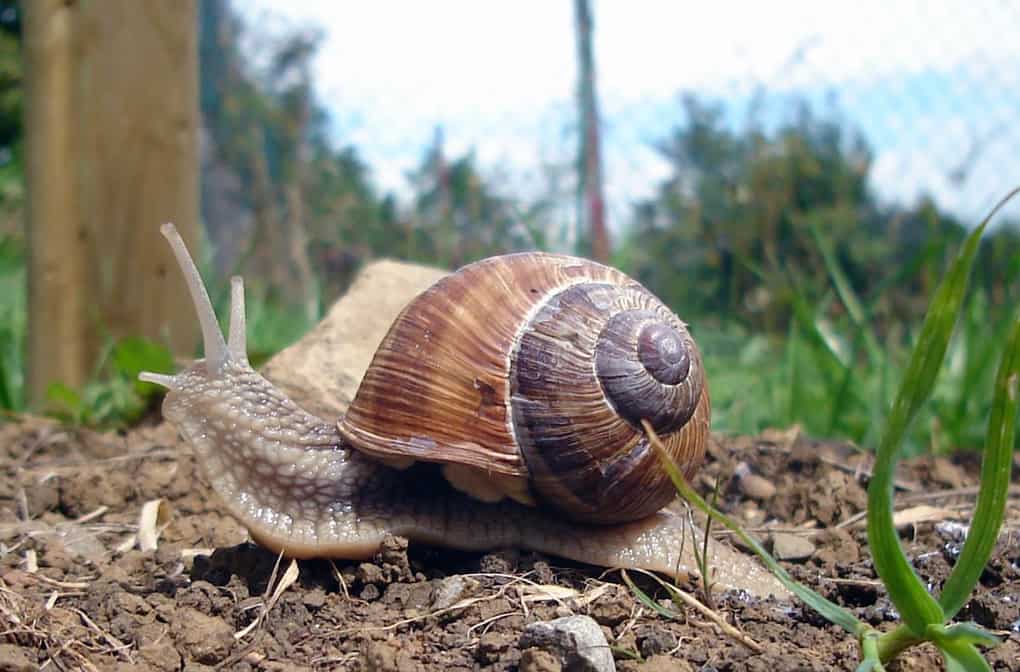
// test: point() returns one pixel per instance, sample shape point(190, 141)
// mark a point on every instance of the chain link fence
point(932, 89)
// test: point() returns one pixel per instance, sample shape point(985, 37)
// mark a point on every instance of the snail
point(502, 409)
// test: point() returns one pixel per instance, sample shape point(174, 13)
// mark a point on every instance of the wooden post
point(592, 201)
point(112, 145)
point(57, 241)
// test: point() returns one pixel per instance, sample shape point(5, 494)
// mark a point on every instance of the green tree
point(744, 216)
point(279, 196)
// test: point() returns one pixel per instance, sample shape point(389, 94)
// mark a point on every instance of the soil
point(77, 591)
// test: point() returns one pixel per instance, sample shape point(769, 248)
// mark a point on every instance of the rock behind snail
point(501, 408)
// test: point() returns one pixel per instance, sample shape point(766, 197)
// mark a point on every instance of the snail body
point(522, 379)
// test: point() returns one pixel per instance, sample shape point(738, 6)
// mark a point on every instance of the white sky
point(926, 82)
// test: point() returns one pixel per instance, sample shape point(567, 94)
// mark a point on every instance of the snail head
point(219, 398)
point(218, 353)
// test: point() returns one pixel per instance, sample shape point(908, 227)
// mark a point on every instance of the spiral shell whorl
point(594, 360)
point(644, 362)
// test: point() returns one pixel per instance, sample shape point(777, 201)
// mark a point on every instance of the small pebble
point(753, 485)
point(952, 530)
point(409, 595)
point(452, 590)
point(160, 656)
point(577, 641)
point(791, 547)
point(614, 607)
point(654, 640)
point(379, 657)
point(314, 599)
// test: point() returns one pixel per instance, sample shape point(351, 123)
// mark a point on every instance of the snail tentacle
point(212, 338)
point(237, 339)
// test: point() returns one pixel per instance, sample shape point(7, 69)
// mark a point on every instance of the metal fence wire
point(931, 88)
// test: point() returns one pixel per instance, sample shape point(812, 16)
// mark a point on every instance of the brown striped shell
point(527, 376)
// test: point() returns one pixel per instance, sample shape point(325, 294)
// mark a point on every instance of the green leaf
point(968, 633)
point(966, 660)
point(133, 355)
point(996, 466)
point(115, 399)
point(958, 646)
point(906, 590)
point(66, 397)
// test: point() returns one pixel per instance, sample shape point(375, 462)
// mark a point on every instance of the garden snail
point(522, 378)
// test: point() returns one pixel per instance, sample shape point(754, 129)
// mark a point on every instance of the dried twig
point(715, 617)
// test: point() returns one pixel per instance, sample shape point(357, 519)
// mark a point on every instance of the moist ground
point(77, 592)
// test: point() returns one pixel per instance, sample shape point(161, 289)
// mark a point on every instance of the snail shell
point(526, 376)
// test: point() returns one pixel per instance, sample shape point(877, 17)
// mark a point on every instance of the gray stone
point(452, 590)
point(577, 641)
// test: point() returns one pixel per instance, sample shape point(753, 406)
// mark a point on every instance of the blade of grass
point(996, 466)
point(862, 330)
point(828, 360)
point(958, 646)
point(906, 590)
point(682, 599)
point(846, 293)
point(929, 253)
point(973, 328)
point(965, 658)
point(842, 397)
point(645, 599)
point(833, 371)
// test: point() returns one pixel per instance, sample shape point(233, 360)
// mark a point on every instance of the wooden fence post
point(112, 152)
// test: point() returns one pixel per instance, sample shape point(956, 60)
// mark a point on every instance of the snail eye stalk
point(212, 338)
